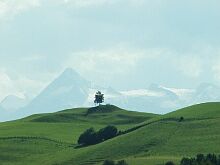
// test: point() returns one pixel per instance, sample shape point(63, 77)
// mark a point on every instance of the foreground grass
point(160, 139)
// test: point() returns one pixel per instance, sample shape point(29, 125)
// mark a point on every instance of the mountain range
point(71, 90)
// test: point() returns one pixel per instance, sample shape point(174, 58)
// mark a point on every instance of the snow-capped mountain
point(67, 91)
point(155, 98)
point(70, 90)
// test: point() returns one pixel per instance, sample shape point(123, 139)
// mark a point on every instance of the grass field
point(50, 138)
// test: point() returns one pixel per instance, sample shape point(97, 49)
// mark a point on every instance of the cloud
point(96, 3)
point(32, 58)
point(28, 87)
point(191, 66)
point(113, 61)
point(216, 68)
point(7, 86)
point(21, 86)
point(115, 66)
point(10, 8)
point(144, 25)
point(87, 3)
point(216, 72)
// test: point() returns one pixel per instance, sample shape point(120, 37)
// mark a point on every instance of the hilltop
point(67, 125)
point(50, 138)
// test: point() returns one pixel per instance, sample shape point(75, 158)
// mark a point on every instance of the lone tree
point(99, 98)
point(181, 119)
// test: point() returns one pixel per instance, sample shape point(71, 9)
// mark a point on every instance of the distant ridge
point(71, 90)
point(66, 91)
point(13, 102)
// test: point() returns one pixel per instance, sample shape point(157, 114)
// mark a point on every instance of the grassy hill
point(50, 138)
point(199, 111)
point(67, 125)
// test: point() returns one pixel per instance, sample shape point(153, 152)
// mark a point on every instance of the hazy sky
point(120, 43)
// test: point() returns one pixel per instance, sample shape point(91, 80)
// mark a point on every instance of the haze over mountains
point(71, 90)
point(13, 102)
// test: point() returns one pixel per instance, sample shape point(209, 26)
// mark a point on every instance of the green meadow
point(51, 139)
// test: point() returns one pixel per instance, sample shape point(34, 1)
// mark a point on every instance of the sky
point(125, 44)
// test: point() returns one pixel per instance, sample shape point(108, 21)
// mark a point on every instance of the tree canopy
point(99, 98)
point(90, 136)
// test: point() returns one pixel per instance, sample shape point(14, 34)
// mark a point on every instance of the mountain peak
point(68, 90)
point(70, 77)
point(69, 72)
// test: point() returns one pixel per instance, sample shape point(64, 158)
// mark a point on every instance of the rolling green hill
point(199, 111)
point(50, 138)
point(67, 125)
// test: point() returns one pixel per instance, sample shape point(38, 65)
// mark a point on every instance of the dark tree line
point(111, 162)
point(90, 136)
point(200, 159)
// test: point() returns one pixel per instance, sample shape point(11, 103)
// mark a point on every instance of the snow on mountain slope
point(154, 99)
point(142, 92)
point(70, 90)
point(180, 92)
